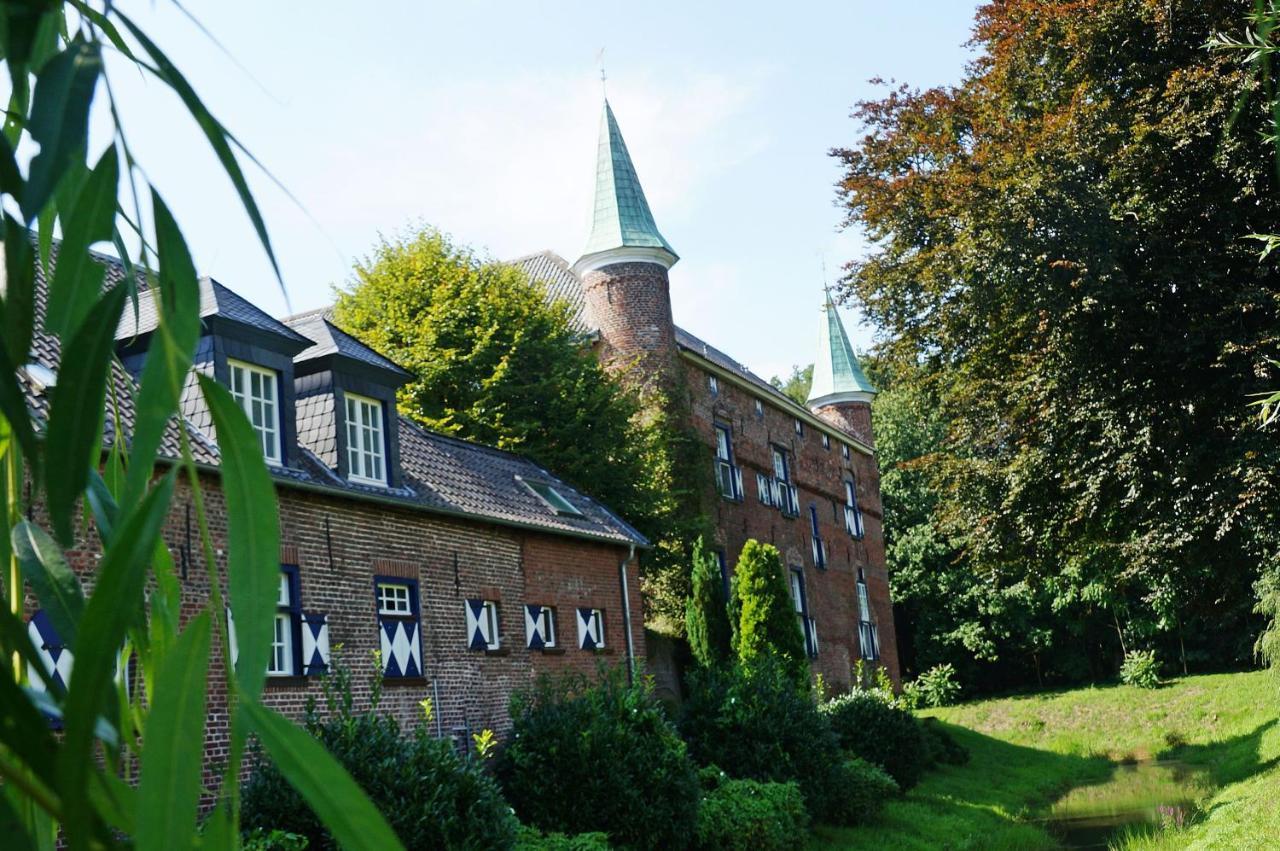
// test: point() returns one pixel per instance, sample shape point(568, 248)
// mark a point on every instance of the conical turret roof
point(621, 217)
point(836, 374)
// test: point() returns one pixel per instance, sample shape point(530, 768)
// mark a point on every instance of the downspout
point(626, 615)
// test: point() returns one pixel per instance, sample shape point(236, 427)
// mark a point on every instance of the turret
point(841, 393)
point(624, 270)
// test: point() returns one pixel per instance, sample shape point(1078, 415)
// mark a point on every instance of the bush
point(1141, 669)
point(943, 748)
point(430, 796)
point(871, 728)
point(757, 724)
point(937, 686)
point(748, 815)
point(531, 839)
point(274, 840)
point(866, 788)
point(760, 600)
point(600, 758)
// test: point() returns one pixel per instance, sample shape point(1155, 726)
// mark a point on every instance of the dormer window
point(552, 497)
point(366, 446)
point(255, 389)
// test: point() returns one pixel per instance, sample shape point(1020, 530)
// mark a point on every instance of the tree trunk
point(1119, 632)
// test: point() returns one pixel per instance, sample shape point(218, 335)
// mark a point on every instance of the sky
point(481, 118)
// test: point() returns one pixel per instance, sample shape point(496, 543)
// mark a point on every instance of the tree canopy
point(1059, 268)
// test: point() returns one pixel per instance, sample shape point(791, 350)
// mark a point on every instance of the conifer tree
point(766, 616)
point(706, 614)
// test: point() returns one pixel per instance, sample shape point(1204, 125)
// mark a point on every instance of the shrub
point(866, 787)
point(600, 758)
point(766, 617)
point(706, 620)
point(937, 686)
point(871, 728)
point(274, 840)
point(748, 815)
point(1141, 669)
point(757, 724)
point(943, 748)
point(531, 839)
point(430, 796)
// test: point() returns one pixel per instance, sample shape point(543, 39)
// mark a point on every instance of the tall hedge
point(706, 618)
point(765, 611)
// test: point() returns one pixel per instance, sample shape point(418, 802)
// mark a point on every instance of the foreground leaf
point(323, 783)
point(56, 585)
point(59, 120)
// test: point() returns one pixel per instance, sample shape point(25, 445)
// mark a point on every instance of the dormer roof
point(328, 340)
point(217, 303)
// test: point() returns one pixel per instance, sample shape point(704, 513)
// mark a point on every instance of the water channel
point(1139, 796)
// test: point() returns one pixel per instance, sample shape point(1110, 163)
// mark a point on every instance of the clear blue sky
point(481, 118)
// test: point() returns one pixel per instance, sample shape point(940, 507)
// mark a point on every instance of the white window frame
point(390, 603)
point(597, 621)
point(281, 646)
point(267, 423)
point(714, 384)
point(799, 427)
point(844, 450)
point(548, 618)
point(826, 440)
point(494, 639)
point(360, 458)
point(852, 511)
point(728, 476)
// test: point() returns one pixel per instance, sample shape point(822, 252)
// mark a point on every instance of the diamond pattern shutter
point(589, 637)
point(534, 624)
point(401, 649)
point(315, 643)
point(53, 653)
point(478, 637)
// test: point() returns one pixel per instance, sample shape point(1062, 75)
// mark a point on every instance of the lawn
point(1029, 750)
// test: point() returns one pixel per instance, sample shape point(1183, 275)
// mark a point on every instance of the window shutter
point(587, 638)
point(477, 625)
point(401, 650)
point(53, 653)
point(231, 638)
point(315, 643)
point(533, 622)
point(737, 483)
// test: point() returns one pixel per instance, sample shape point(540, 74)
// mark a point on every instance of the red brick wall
point(630, 304)
point(819, 475)
point(340, 544)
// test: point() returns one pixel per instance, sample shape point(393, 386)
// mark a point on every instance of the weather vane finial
point(603, 78)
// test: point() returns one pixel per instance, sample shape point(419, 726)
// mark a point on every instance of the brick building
point(803, 478)
point(470, 570)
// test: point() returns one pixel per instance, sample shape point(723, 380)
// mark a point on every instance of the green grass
point(1028, 751)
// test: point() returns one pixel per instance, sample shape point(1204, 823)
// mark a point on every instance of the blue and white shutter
point(315, 643)
point(535, 627)
point(589, 637)
point(401, 648)
point(478, 637)
point(52, 651)
point(231, 638)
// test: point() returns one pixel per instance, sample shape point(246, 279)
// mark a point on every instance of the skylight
point(551, 497)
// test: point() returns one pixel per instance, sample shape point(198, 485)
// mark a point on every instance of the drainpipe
point(626, 615)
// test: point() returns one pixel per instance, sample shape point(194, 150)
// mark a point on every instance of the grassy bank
point(1028, 750)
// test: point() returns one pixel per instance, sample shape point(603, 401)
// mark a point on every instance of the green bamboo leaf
point(12, 826)
point(13, 409)
point(253, 534)
point(172, 757)
point(77, 277)
point(102, 504)
point(324, 784)
point(75, 415)
point(116, 801)
point(15, 639)
point(56, 585)
point(218, 137)
point(112, 609)
point(25, 731)
point(216, 833)
point(19, 288)
point(169, 355)
point(59, 120)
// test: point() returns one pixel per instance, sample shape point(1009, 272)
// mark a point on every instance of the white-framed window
point(868, 639)
point(282, 661)
point(826, 440)
point(808, 626)
point(483, 625)
point(539, 627)
point(590, 629)
point(256, 390)
point(852, 513)
point(817, 545)
point(844, 450)
point(714, 384)
point(366, 447)
point(393, 599)
point(551, 497)
point(799, 428)
point(759, 408)
point(785, 496)
point(728, 476)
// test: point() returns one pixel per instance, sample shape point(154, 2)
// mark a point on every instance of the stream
point(1139, 796)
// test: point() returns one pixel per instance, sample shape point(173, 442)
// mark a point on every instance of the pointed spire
point(621, 218)
point(836, 374)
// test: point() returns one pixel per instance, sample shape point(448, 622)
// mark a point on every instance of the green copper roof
point(621, 218)
point(836, 371)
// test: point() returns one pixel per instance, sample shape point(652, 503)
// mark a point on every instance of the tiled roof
point(621, 217)
point(561, 283)
point(442, 474)
point(215, 300)
point(329, 339)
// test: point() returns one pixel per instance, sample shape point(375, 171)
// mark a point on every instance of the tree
point(1057, 246)
point(706, 611)
point(766, 616)
point(797, 384)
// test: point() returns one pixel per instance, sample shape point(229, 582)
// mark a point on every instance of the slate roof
point(215, 300)
point(563, 283)
point(329, 339)
point(620, 217)
point(443, 475)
